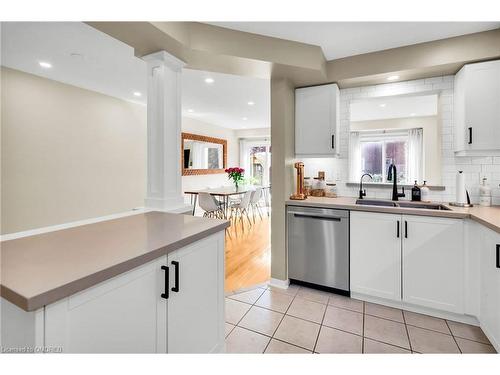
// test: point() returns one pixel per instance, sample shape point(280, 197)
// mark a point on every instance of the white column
point(164, 132)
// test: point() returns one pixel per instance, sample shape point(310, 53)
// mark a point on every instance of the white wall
point(67, 153)
point(474, 167)
point(254, 133)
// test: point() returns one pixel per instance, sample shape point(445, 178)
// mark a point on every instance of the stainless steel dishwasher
point(318, 247)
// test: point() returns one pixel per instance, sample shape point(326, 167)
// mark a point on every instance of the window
point(373, 152)
point(255, 158)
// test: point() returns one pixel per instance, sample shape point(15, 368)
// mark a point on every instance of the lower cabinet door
point(375, 254)
point(490, 285)
point(433, 262)
point(125, 314)
point(196, 301)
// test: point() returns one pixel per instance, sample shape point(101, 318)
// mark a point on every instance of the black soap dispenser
point(415, 193)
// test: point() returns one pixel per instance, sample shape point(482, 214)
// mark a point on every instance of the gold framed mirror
point(202, 155)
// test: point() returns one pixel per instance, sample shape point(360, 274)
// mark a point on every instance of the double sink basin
point(402, 204)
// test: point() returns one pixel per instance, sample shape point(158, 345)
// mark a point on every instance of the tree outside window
point(378, 155)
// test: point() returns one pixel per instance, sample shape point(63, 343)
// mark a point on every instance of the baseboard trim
point(277, 283)
point(490, 337)
point(462, 318)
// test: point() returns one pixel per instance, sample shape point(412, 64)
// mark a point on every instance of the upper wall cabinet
point(477, 109)
point(317, 121)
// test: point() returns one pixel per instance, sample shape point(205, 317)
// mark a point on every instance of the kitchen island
point(151, 282)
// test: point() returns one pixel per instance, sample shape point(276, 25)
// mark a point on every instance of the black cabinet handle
point(397, 229)
point(498, 255)
point(333, 141)
point(165, 295)
point(175, 288)
point(470, 135)
point(406, 229)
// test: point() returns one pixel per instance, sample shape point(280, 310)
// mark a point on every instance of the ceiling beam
point(218, 49)
point(440, 57)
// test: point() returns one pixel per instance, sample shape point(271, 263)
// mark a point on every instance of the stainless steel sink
point(426, 206)
point(402, 204)
point(376, 202)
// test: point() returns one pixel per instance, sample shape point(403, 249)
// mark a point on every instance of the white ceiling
point(393, 107)
point(225, 102)
point(103, 64)
point(84, 57)
point(342, 39)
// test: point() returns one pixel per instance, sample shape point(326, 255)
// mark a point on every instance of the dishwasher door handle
point(318, 217)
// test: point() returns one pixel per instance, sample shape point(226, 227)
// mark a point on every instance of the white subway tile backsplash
point(490, 167)
point(446, 130)
point(463, 160)
point(434, 80)
point(447, 138)
point(469, 168)
point(442, 85)
point(448, 145)
point(482, 160)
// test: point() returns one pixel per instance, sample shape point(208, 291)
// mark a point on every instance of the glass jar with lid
point(307, 186)
point(331, 190)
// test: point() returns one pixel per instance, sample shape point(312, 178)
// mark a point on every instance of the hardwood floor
point(248, 254)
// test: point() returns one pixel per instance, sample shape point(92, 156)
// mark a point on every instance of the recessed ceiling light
point(190, 110)
point(45, 64)
point(209, 80)
point(382, 105)
point(392, 78)
point(76, 55)
point(244, 118)
point(137, 93)
point(250, 103)
point(413, 114)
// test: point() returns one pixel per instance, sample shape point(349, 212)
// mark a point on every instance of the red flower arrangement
point(235, 174)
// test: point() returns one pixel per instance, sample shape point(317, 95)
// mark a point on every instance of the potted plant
point(235, 174)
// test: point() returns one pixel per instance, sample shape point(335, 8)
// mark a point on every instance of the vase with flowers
point(235, 174)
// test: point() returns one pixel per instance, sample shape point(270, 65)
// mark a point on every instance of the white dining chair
point(210, 205)
point(240, 209)
point(255, 202)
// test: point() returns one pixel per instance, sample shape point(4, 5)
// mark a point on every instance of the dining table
point(225, 192)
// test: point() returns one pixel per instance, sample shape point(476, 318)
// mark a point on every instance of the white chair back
point(257, 194)
point(247, 197)
point(207, 202)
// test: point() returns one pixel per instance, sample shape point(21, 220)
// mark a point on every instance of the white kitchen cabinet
point(375, 254)
point(138, 311)
point(477, 108)
point(317, 121)
point(417, 260)
point(433, 262)
point(489, 248)
point(125, 314)
point(194, 310)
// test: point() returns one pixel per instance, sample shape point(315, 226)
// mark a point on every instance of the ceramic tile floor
point(302, 320)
